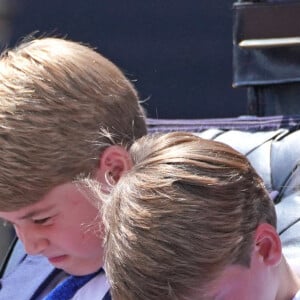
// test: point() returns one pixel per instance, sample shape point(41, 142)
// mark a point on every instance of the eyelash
point(42, 221)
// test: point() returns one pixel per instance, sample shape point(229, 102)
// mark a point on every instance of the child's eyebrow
point(35, 212)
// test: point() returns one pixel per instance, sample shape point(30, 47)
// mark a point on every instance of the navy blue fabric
point(107, 296)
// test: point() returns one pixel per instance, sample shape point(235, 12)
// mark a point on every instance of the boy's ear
point(113, 162)
point(267, 245)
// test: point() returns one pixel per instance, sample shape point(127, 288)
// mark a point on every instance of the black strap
point(266, 20)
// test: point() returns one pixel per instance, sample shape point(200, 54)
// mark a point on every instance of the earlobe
point(113, 162)
point(268, 244)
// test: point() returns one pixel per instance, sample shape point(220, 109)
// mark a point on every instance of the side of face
point(64, 224)
point(63, 227)
point(259, 281)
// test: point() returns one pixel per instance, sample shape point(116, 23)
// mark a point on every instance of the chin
point(81, 271)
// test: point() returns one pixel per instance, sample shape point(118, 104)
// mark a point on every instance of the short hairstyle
point(61, 104)
point(188, 208)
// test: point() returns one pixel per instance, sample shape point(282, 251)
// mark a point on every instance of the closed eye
point(43, 221)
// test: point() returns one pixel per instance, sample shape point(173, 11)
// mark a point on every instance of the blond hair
point(188, 208)
point(61, 104)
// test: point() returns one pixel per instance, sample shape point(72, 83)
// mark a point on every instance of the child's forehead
point(27, 212)
point(60, 198)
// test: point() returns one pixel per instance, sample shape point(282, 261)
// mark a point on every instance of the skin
point(64, 225)
point(238, 282)
point(268, 277)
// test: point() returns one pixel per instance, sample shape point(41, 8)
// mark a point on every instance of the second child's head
point(190, 220)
